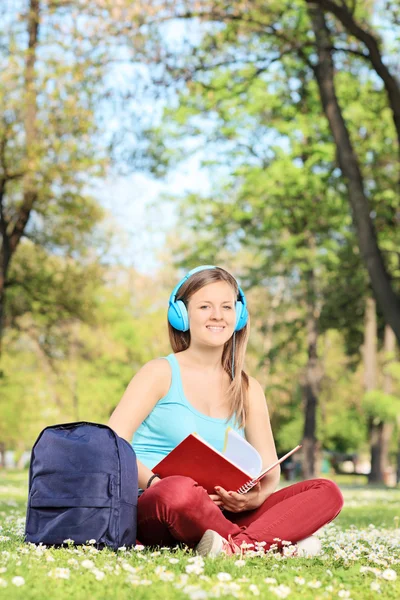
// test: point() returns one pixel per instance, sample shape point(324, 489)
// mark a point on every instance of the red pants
point(178, 510)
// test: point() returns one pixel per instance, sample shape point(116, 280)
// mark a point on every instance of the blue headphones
point(177, 312)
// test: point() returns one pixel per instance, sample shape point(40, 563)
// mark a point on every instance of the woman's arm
point(259, 434)
point(142, 394)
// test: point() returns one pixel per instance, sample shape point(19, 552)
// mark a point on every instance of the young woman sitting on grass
point(202, 387)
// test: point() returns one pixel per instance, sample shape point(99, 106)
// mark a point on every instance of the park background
point(141, 139)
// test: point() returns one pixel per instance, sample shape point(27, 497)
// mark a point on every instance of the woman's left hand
point(235, 502)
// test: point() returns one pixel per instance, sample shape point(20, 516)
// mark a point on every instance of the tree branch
point(348, 162)
point(343, 14)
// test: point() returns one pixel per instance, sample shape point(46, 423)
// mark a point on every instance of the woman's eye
point(229, 307)
point(203, 306)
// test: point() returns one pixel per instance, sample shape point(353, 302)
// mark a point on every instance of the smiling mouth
point(215, 328)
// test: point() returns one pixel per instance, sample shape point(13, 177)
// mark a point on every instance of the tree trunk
point(2, 455)
point(387, 428)
point(398, 451)
point(311, 385)
point(11, 232)
point(381, 283)
point(370, 383)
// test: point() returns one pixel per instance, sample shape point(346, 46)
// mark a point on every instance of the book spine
point(246, 487)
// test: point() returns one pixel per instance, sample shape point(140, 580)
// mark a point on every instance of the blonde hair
point(180, 340)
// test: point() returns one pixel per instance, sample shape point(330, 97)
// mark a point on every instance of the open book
point(237, 468)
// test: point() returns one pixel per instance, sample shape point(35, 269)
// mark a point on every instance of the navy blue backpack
point(83, 485)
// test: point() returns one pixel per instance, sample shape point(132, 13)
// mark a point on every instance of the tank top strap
point(176, 389)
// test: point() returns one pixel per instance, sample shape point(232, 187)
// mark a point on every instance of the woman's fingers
point(216, 499)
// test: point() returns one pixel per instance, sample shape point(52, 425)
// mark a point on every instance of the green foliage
point(70, 356)
point(381, 406)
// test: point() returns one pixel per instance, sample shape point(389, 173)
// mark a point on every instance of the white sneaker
point(310, 546)
point(212, 544)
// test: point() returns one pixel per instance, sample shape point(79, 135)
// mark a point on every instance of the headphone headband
point(182, 281)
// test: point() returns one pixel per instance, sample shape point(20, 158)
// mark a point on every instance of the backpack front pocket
point(69, 506)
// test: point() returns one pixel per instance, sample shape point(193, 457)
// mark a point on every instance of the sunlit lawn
point(361, 560)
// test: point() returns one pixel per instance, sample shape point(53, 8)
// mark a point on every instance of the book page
point(240, 452)
point(250, 484)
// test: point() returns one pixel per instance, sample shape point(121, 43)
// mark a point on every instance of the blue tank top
point(172, 419)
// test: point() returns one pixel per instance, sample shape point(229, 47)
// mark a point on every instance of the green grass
point(366, 534)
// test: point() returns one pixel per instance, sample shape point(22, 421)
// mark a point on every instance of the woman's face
point(212, 314)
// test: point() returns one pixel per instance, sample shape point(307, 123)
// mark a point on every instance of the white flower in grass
point(290, 550)
point(299, 580)
point(3, 582)
point(195, 592)
point(183, 579)
point(129, 568)
point(196, 559)
point(18, 581)
point(138, 547)
point(254, 590)
point(167, 576)
point(3, 569)
point(196, 568)
point(59, 573)
point(375, 586)
point(389, 575)
point(224, 576)
point(87, 564)
point(99, 575)
point(173, 561)
point(240, 563)
point(282, 591)
point(68, 541)
point(245, 546)
point(92, 541)
point(343, 594)
point(50, 558)
point(314, 584)
point(329, 588)
point(122, 549)
point(73, 562)
point(270, 580)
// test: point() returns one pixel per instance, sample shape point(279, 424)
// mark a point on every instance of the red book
point(197, 459)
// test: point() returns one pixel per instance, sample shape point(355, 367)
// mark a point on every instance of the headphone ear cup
point(178, 316)
point(241, 316)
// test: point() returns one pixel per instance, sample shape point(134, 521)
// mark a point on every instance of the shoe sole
point(210, 544)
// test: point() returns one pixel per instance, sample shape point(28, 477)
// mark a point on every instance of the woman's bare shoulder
point(159, 370)
point(255, 385)
point(256, 394)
